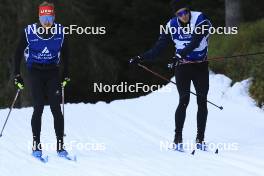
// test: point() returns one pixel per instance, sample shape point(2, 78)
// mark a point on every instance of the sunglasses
point(182, 13)
point(46, 19)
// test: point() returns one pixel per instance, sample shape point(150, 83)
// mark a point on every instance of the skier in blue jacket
point(42, 50)
point(190, 64)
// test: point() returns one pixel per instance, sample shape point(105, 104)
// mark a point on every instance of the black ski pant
point(197, 73)
point(46, 83)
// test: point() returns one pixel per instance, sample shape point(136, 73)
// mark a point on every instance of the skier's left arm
point(65, 61)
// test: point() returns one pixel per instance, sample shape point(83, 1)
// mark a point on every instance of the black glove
point(176, 60)
point(19, 82)
point(136, 60)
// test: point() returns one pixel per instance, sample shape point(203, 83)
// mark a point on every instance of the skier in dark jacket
point(42, 51)
point(190, 63)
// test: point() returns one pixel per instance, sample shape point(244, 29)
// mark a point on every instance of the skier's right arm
point(22, 44)
point(155, 51)
point(158, 48)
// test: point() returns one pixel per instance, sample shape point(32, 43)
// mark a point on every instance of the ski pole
point(62, 97)
point(10, 110)
point(169, 81)
point(235, 56)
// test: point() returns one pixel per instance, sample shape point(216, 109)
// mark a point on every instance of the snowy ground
point(131, 132)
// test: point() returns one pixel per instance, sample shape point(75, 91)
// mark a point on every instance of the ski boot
point(60, 148)
point(36, 149)
point(178, 145)
point(200, 144)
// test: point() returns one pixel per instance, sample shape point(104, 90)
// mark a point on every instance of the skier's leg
point(36, 126)
point(54, 94)
point(183, 83)
point(37, 91)
point(201, 84)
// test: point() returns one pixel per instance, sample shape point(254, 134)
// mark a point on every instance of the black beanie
point(179, 4)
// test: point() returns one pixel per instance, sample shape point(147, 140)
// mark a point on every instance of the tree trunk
point(233, 14)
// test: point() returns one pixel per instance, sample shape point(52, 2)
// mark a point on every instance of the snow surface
point(132, 132)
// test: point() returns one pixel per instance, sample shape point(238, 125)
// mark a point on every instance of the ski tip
point(216, 151)
point(42, 159)
point(221, 108)
point(193, 152)
point(70, 158)
point(47, 159)
point(1, 135)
